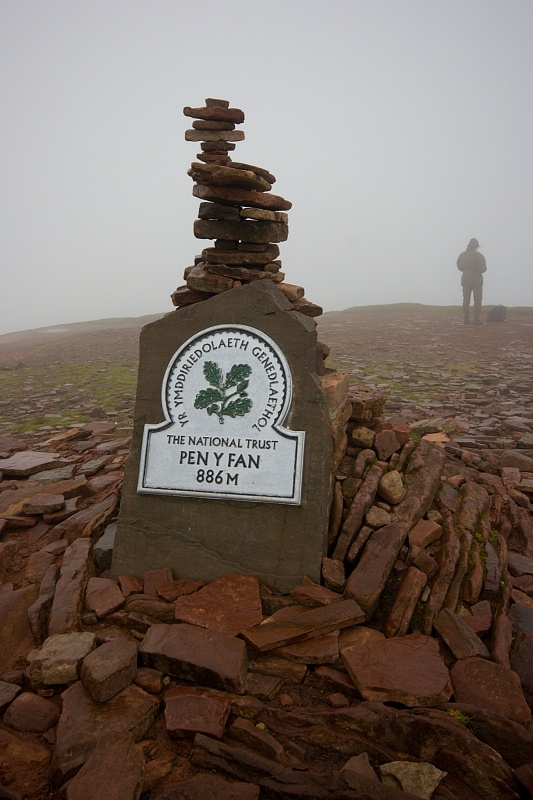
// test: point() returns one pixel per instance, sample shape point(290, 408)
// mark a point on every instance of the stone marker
point(221, 477)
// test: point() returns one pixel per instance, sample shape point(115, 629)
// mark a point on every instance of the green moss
point(459, 716)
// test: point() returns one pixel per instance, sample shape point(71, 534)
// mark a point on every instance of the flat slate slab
point(228, 605)
point(407, 669)
point(194, 654)
point(83, 722)
point(28, 462)
point(491, 687)
point(191, 711)
point(311, 623)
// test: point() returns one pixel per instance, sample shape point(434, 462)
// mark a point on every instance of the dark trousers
point(477, 291)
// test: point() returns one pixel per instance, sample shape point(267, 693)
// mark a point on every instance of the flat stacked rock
point(238, 211)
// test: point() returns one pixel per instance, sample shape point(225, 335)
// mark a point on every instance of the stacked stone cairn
point(238, 211)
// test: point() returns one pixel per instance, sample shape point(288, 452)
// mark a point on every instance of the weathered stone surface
point(367, 403)
point(521, 617)
point(404, 605)
point(421, 481)
point(155, 578)
point(178, 588)
point(242, 730)
point(509, 738)
point(275, 666)
point(150, 680)
point(31, 713)
point(70, 589)
point(385, 444)
point(207, 785)
point(391, 487)
point(227, 176)
point(362, 503)
point(459, 637)
point(102, 551)
point(377, 517)
point(130, 585)
point(204, 539)
point(27, 462)
point(59, 659)
point(420, 780)
point(43, 503)
point(307, 308)
point(447, 559)
point(491, 687)
point(247, 231)
point(200, 280)
point(521, 661)
point(318, 650)
point(183, 296)
point(333, 574)
point(37, 566)
point(103, 596)
point(109, 669)
point(8, 692)
point(192, 653)
point(241, 256)
point(83, 723)
point(369, 577)
point(228, 605)
point(313, 595)
point(311, 623)
point(241, 197)
point(424, 533)
point(291, 292)
point(243, 273)
point(218, 211)
point(263, 213)
point(264, 687)
point(192, 135)
point(88, 522)
point(519, 565)
point(151, 607)
point(14, 627)
point(264, 173)
point(363, 436)
point(192, 710)
point(24, 765)
point(114, 770)
point(407, 670)
point(215, 111)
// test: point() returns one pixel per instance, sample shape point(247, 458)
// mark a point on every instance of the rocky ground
point(407, 673)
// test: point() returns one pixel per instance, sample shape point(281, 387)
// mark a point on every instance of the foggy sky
point(399, 129)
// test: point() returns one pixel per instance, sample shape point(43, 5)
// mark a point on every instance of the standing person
point(472, 264)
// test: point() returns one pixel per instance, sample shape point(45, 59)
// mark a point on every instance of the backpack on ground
point(497, 314)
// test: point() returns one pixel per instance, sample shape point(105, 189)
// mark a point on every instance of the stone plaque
point(225, 394)
point(248, 494)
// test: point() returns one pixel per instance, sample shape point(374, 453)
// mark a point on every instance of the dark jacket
point(472, 264)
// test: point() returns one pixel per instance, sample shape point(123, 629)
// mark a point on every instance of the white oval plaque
point(226, 394)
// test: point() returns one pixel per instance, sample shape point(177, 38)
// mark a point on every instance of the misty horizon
point(398, 131)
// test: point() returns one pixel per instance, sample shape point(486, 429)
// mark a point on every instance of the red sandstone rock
point(306, 626)
point(192, 710)
point(103, 596)
point(228, 605)
point(192, 653)
point(31, 713)
point(407, 670)
point(109, 669)
point(491, 687)
point(114, 770)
